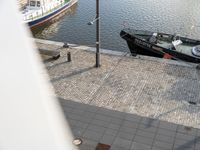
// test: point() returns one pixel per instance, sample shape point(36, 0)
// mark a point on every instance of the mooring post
point(69, 57)
point(66, 45)
point(198, 67)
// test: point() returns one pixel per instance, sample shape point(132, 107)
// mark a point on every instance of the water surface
point(169, 16)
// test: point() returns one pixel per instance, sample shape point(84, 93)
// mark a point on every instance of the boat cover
point(196, 50)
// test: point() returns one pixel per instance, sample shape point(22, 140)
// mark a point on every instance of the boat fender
point(196, 51)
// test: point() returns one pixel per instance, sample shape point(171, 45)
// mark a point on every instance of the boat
point(38, 12)
point(169, 46)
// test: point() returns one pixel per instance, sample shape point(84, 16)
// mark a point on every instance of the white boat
point(40, 11)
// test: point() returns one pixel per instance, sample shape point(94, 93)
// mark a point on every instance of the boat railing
point(41, 12)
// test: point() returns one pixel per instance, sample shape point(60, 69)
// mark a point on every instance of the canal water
point(169, 16)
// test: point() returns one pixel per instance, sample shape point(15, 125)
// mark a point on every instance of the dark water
point(170, 16)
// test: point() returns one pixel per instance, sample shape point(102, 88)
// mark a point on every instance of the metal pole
point(97, 35)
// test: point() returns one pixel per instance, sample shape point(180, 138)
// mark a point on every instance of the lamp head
point(90, 23)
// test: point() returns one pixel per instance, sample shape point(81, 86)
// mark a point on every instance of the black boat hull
point(137, 49)
point(142, 47)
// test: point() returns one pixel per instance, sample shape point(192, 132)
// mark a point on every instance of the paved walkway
point(114, 103)
point(154, 88)
point(125, 131)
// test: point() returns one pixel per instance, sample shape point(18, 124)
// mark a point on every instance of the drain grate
point(101, 146)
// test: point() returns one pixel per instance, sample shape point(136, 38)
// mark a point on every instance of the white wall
point(30, 117)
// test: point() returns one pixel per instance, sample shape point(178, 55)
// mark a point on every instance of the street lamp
point(97, 20)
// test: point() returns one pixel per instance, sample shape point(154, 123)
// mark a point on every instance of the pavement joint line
point(175, 138)
point(137, 128)
point(124, 132)
point(196, 136)
point(155, 134)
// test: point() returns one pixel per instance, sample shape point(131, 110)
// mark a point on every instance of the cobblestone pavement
point(138, 86)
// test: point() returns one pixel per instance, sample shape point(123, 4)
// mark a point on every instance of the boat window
point(38, 3)
point(32, 3)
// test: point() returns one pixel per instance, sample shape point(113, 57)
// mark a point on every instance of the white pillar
point(30, 117)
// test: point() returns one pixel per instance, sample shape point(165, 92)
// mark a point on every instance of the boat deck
point(183, 48)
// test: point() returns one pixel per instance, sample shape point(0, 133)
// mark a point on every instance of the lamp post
point(97, 36)
point(97, 20)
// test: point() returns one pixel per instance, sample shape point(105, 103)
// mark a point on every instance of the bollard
point(198, 67)
point(66, 45)
point(69, 57)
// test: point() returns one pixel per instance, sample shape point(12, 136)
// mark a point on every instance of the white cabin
point(38, 8)
point(38, 4)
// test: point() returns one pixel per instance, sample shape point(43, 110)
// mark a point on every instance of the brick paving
point(152, 88)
